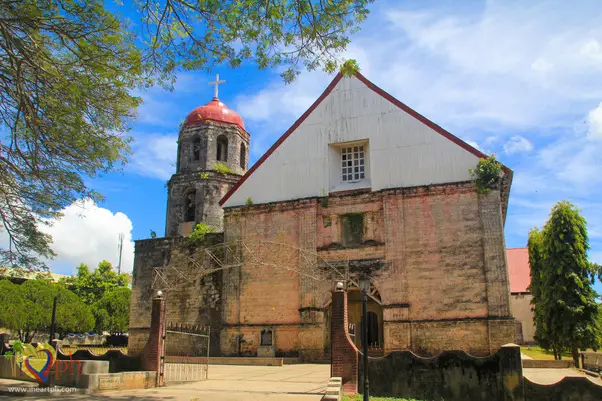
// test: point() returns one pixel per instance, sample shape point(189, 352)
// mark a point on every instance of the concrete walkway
point(305, 382)
point(550, 376)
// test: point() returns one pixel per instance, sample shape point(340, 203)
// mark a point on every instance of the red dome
point(215, 110)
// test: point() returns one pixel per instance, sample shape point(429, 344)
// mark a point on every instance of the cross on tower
point(216, 83)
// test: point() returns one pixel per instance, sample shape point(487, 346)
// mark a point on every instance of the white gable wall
point(403, 152)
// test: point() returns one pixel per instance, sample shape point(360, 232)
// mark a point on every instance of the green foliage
point(12, 306)
point(350, 68)
point(486, 175)
point(68, 71)
point(112, 311)
point(537, 272)
point(91, 287)
point(293, 34)
point(566, 312)
point(199, 232)
point(27, 308)
point(249, 201)
point(204, 175)
point(222, 168)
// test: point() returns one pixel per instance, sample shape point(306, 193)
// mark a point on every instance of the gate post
point(154, 350)
point(344, 354)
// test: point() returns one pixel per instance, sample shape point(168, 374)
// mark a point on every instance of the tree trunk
point(555, 353)
point(575, 352)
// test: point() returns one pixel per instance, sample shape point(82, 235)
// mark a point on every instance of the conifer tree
point(565, 310)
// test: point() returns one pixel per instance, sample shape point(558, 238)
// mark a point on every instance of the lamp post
point(53, 319)
point(365, 287)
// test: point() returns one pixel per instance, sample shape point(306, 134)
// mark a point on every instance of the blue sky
point(522, 80)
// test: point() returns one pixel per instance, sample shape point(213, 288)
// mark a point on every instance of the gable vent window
point(353, 163)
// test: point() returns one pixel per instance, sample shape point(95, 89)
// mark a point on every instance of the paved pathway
point(305, 382)
point(550, 376)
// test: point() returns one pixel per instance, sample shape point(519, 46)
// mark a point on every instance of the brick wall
point(441, 274)
point(192, 298)
point(344, 354)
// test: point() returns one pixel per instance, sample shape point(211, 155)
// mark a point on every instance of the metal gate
point(186, 353)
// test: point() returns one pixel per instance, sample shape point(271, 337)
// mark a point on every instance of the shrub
point(486, 175)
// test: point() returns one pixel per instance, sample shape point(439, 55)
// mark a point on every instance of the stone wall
point(436, 256)
point(175, 267)
point(200, 176)
point(118, 361)
point(451, 376)
point(208, 189)
point(521, 310)
point(568, 389)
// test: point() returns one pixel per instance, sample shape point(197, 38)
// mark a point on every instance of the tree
point(68, 69)
point(11, 303)
point(200, 35)
point(535, 246)
point(112, 311)
point(91, 287)
point(566, 311)
point(27, 309)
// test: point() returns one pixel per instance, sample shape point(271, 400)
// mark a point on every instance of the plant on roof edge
point(486, 175)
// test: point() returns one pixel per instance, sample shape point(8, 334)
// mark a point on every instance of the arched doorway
point(374, 319)
point(354, 319)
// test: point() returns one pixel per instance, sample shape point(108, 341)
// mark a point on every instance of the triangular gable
point(436, 128)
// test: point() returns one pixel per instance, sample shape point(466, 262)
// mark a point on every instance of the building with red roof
point(520, 295)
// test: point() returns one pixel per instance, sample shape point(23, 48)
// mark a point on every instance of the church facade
point(361, 189)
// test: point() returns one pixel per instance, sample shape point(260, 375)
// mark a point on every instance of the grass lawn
point(540, 353)
point(359, 397)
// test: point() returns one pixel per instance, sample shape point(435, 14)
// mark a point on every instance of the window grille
point(353, 163)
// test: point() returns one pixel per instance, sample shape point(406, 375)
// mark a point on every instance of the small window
point(243, 156)
point(190, 206)
point(196, 148)
point(352, 226)
point(222, 149)
point(353, 163)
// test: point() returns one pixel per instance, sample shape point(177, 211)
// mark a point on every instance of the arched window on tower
point(196, 148)
point(222, 148)
point(243, 155)
point(190, 206)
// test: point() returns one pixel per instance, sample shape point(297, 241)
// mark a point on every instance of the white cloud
point(89, 234)
point(500, 75)
point(154, 155)
point(594, 120)
point(518, 144)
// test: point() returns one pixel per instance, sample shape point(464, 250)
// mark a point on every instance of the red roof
point(518, 269)
point(215, 110)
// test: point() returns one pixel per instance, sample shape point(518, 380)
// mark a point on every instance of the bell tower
point(213, 153)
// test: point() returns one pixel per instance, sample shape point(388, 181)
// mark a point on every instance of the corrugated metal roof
point(518, 269)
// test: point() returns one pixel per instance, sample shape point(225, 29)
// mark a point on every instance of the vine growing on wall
point(199, 232)
point(222, 168)
point(486, 175)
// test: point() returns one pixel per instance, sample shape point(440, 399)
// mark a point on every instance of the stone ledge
point(234, 360)
point(334, 390)
point(547, 364)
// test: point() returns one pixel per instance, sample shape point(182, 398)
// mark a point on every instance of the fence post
point(344, 354)
point(154, 350)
